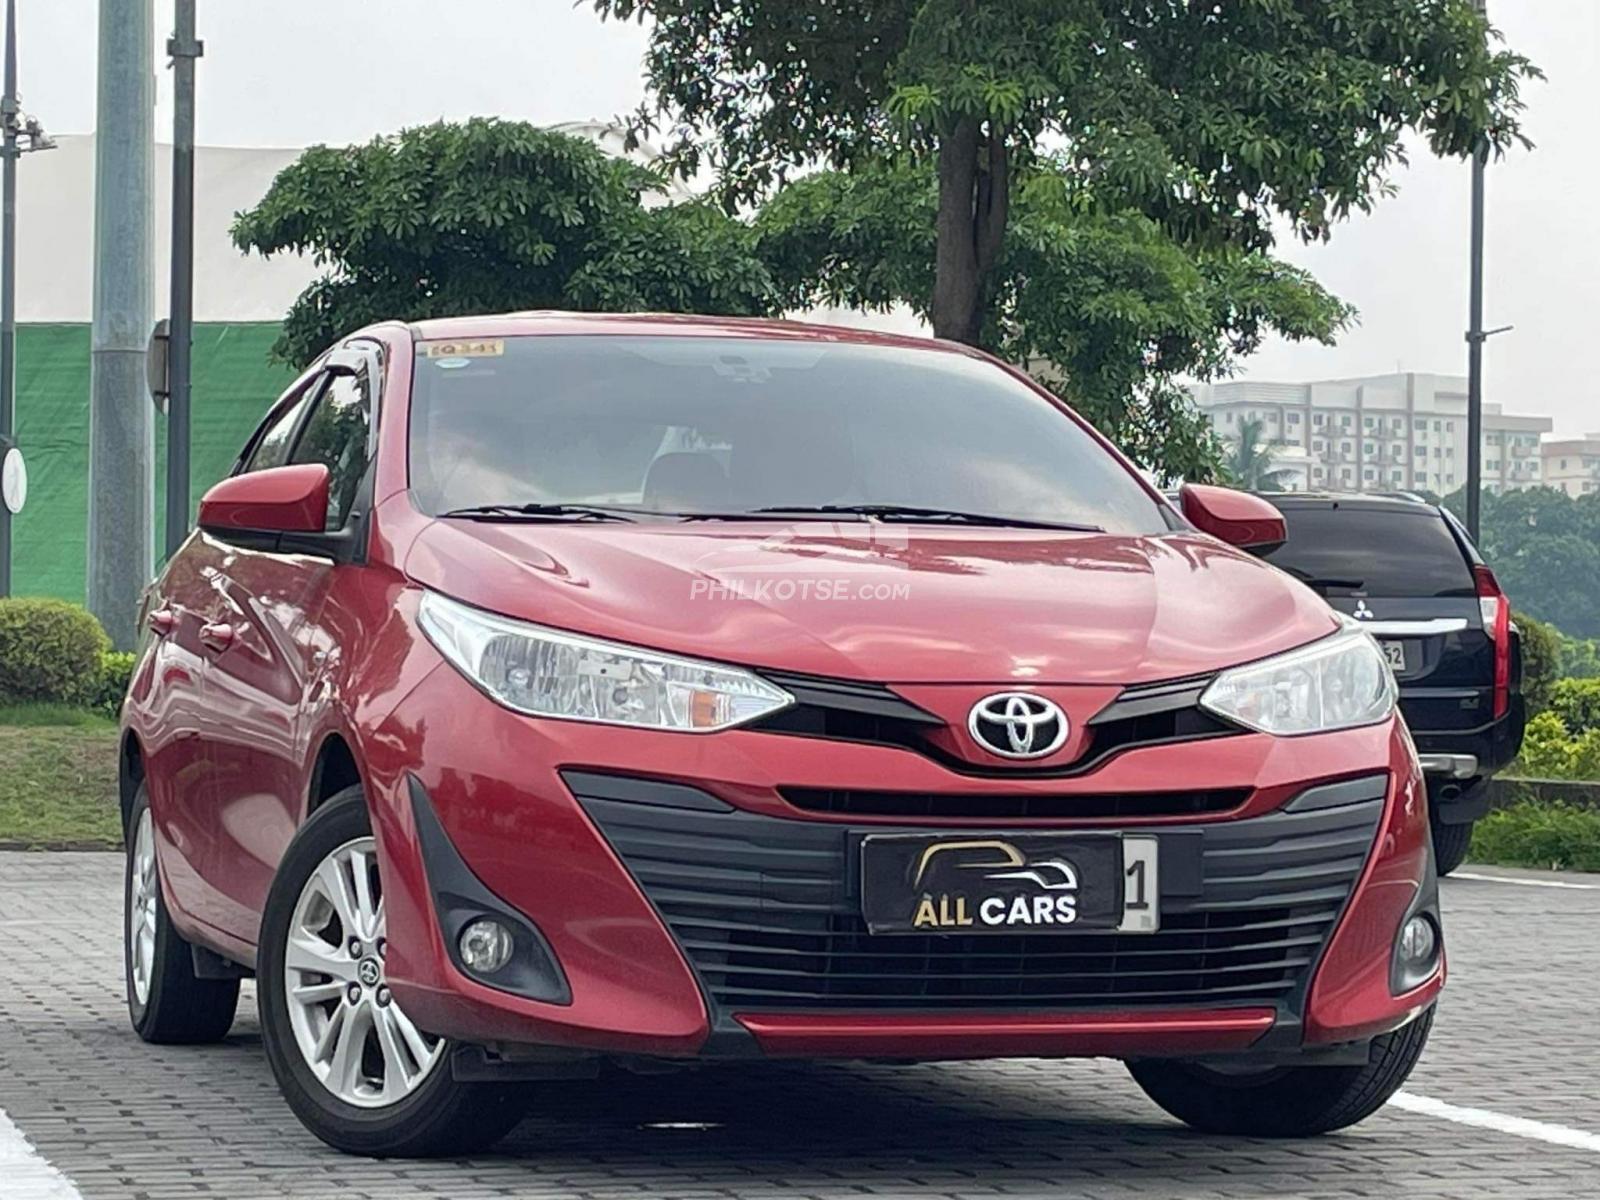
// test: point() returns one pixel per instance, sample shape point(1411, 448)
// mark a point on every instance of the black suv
point(1408, 571)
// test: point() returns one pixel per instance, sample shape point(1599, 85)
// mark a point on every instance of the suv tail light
point(1496, 609)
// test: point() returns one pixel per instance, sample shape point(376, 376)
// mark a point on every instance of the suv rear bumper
point(1457, 761)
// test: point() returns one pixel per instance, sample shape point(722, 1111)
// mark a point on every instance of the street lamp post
point(18, 136)
point(184, 48)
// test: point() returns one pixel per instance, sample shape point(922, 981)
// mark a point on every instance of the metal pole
point(121, 419)
point(1475, 340)
point(9, 110)
point(184, 49)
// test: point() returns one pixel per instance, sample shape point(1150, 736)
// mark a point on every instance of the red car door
point(175, 721)
point(187, 608)
point(265, 658)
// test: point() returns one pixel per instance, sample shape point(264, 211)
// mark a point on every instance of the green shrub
point(1577, 703)
point(50, 650)
point(116, 669)
point(1541, 660)
point(1549, 751)
point(1534, 834)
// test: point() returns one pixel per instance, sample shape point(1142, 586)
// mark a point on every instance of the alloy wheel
point(141, 916)
point(348, 1028)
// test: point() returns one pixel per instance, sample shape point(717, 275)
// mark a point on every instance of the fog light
point(1418, 941)
point(485, 946)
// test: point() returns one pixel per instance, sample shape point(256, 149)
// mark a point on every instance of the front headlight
point(547, 673)
point(1337, 683)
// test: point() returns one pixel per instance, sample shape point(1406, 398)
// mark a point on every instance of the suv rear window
point(1375, 551)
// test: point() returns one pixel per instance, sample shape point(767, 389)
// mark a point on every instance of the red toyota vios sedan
point(546, 691)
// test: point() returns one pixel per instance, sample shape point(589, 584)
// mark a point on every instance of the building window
point(1294, 418)
point(1449, 426)
point(1420, 426)
point(1368, 475)
point(1230, 418)
point(1420, 452)
point(1318, 418)
point(1344, 420)
point(1438, 426)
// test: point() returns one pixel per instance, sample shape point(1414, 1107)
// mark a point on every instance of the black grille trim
point(845, 710)
point(767, 912)
point(1005, 806)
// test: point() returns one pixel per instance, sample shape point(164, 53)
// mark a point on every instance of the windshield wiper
point(546, 512)
point(912, 512)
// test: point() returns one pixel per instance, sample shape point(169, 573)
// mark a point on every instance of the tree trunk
point(973, 206)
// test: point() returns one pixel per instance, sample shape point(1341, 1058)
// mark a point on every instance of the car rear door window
point(1374, 551)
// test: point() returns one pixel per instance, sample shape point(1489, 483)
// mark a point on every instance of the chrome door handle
point(216, 636)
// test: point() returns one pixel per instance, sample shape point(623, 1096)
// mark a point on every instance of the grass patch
point(1531, 833)
point(56, 715)
point(59, 784)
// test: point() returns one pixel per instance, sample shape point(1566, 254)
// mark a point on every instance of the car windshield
point(713, 426)
point(1373, 551)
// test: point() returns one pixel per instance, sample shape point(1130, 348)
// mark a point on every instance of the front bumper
point(733, 927)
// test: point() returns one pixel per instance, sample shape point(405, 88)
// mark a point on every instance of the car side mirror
point(1238, 518)
point(280, 510)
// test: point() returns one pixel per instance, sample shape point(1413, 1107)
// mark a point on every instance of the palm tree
point(1249, 466)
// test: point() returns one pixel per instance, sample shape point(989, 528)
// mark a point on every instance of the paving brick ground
point(1519, 1033)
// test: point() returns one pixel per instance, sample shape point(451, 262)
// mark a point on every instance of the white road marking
point(28, 1174)
point(1550, 883)
point(1482, 1118)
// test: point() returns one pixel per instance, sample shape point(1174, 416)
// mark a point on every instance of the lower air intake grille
point(768, 912)
point(1065, 805)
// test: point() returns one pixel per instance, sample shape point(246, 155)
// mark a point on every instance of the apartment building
point(1401, 432)
point(1573, 464)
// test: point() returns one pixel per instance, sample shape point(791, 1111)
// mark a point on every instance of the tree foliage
point(1544, 547)
point(1210, 119)
point(490, 216)
point(1249, 463)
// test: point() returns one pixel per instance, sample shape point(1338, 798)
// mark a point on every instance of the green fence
point(233, 384)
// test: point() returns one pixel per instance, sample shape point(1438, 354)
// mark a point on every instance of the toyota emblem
point(1018, 725)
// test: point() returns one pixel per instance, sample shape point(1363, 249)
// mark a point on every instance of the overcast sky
point(295, 72)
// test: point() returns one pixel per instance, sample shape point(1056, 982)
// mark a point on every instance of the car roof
point(552, 323)
point(1353, 501)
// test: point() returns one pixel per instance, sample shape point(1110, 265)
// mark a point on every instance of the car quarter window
point(336, 435)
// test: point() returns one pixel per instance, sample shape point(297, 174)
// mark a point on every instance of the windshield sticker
point(469, 348)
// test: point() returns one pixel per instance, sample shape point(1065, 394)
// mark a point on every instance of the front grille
point(1066, 805)
point(768, 913)
point(849, 711)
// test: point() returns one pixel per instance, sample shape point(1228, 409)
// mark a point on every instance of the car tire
point(167, 1002)
point(386, 1089)
point(1285, 1101)
point(1450, 845)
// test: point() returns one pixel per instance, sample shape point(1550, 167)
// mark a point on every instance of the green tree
point(1544, 547)
point(1541, 665)
point(488, 216)
point(1249, 464)
point(1212, 120)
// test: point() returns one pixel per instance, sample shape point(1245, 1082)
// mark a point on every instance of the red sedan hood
point(890, 603)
